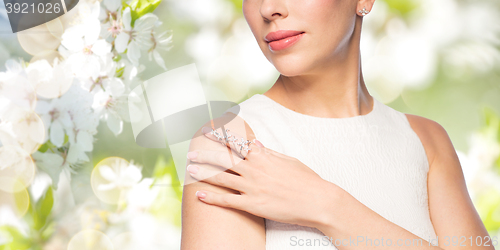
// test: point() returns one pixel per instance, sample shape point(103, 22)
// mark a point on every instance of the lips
point(281, 34)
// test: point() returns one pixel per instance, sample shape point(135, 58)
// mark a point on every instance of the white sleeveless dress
point(376, 157)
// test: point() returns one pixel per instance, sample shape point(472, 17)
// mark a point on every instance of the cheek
point(251, 11)
point(316, 11)
point(319, 18)
point(252, 17)
point(329, 22)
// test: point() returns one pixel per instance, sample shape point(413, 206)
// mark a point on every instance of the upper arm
point(207, 226)
point(451, 209)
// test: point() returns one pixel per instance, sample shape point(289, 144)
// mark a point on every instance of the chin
point(290, 66)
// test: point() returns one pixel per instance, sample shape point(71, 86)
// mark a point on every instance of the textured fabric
point(376, 157)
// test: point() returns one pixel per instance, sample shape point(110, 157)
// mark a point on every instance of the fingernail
point(206, 130)
point(191, 155)
point(193, 169)
point(258, 143)
point(201, 194)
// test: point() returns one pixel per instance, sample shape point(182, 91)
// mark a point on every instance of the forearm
point(351, 225)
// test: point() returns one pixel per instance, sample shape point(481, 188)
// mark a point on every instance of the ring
point(243, 145)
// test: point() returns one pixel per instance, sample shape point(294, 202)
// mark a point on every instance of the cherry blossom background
point(71, 174)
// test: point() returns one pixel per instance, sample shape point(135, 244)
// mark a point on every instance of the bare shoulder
point(447, 189)
point(433, 136)
point(207, 226)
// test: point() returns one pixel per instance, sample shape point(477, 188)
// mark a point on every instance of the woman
point(332, 167)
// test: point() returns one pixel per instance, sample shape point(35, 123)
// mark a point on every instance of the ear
point(366, 4)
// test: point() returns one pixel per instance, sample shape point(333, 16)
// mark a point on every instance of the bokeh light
point(90, 239)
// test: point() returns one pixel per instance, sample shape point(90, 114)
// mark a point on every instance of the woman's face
point(328, 26)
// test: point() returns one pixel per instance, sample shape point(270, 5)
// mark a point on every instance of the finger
point(236, 142)
point(235, 201)
point(261, 148)
point(252, 146)
point(218, 158)
point(219, 178)
point(215, 135)
point(268, 150)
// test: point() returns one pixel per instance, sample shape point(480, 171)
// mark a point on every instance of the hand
point(271, 185)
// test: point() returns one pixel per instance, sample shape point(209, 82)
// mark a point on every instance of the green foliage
point(46, 146)
point(17, 240)
point(37, 217)
point(117, 58)
point(140, 8)
point(497, 165)
point(20, 199)
point(402, 7)
point(492, 121)
point(167, 205)
point(43, 208)
point(492, 128)
point(238, 5)
point(39, 212)
point(488, 205)
point(162, 169)
point(120, 71)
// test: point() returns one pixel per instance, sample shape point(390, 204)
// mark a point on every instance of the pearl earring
point(364, 11)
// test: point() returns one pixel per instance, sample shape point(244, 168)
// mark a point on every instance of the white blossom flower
point(86, 83)
point(130, 72)
point(111, 7)
point(138, 199)
point(19, 125)
point(135, 39)
point(95, 85)
point(15, 88)
point(83, 48)
point(6, 133)
point(56, 119)
point(142, 195)
point(15, 165)
point(49, 81)
point(83, 142)
point(71, 115)
point(160, 42)
point(108, 102)
point(52, 164)
point(21, 128)
point(79, 103)
point(111, 28)
point(120, 175)
point(110, 18)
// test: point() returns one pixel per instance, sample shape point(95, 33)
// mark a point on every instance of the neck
point(336, 89)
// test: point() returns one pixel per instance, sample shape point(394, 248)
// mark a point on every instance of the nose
point(273, 9)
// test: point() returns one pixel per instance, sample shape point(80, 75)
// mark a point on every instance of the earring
point(364, 11)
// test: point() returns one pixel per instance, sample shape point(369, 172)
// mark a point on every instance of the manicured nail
point(258, 143)
point(193, 169)
point(201, 194)
point(191, 155)
point(206, 130)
